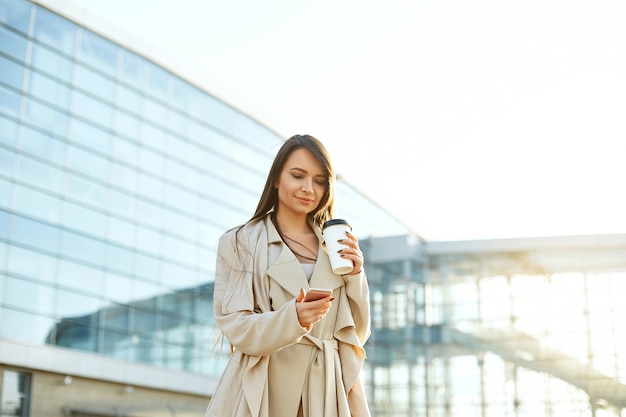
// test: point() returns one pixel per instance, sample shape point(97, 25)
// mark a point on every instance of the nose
point(307, 185)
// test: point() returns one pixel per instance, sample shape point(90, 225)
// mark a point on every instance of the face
point(301, 184)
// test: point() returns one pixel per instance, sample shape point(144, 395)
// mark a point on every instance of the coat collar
point(287, 271)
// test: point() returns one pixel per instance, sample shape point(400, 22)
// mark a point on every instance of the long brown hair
point(269, 198)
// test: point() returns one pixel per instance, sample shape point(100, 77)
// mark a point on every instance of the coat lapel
point(285, 269)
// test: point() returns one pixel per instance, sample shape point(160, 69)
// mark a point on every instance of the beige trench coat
point(277, 364)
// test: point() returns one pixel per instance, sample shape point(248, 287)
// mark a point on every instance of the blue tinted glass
point(147, 267)
point(55, 31)
point(32, 264)
point(94, 83)
point(119, 259)
point(46, 117)
point(88, 163)
point(86, 191)
point(46, 60)
point(9, 102)
point(117, 317)
point(181, 93)
point(121, 203)
point(82, 248)
point(120, 231)
point(92, 109)
point(125, 151)
point(37, 204)
point(127, 125)
point(123, 177)
point(180, 251)
point(8, 133)
point(154, 111)
point(118, 288)
point(82, 219)
point(72, 304)
point(153, 136)
point(12, 73)
point(15, 14)
point(149, 213)
point(148, 240)
point(4, 224)
point(12, 44)
point(133, 69)
point(179, 224)
point(34, 234)
point(80, 277)
point(149, 187)
point(48, 90)
point(98, 52)
point(181, 199)
point(5, 194)
point(25, 327)
point(129, 99)
point(177, 122)
point(90, 136)
point(39, 174)
point(42, 145)
point(38, 298)
point(158, 82)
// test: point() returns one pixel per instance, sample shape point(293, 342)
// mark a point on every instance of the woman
point(290, 358)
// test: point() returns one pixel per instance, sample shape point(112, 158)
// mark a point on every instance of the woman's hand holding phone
point(312, 306)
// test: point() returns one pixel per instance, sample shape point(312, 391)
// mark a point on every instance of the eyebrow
point(306, 172)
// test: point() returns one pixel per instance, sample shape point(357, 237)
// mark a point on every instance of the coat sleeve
point(252, 330)
point(357, 291)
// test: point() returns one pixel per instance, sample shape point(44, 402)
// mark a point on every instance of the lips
point(304, 200)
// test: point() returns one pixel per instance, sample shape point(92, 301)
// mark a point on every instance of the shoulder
point(248, 232)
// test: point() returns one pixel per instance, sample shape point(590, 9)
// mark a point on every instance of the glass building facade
point(117, 176)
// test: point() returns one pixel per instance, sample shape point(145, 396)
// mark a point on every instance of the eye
point(296, 176)
point(322, 183)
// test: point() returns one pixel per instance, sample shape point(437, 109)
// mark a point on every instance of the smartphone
point(317, 293)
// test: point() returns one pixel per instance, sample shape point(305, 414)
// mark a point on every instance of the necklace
point(298, 254)
point(295, 252)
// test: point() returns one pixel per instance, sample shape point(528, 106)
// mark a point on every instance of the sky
point(465, 119)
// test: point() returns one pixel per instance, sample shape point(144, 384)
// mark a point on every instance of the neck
point(291, 224)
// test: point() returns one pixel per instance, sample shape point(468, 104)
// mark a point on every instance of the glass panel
point(133, 69)
point(153, 136)
point(120, 231)
point(122, 176)
point(92, 109)
point(149, 187)
point(48, 90)
point(12, 44)
point(8, 135)
point(42, 145)
point(80, 277)
point(154, 111)
point(55, 31)
point(25, 327)
point(47, 60)
point(12, 73)
point(46, 118)
point(129, 99)
point(90, 136)
point(34, 265)
point(26, 295)
point(5, 193)
point(125, 151)
point(71, 304)
point(15, 398)
point(36, 204)
point(121, 203)
point(34, 234)
point(39, 174)
point(88, 163)
point(118, 288)
point(119, 259)
point(98, 52)
point(9, 102)
point(15, 14)
point(86, 191)
point(127, 124)
point(94, 83)
point(158, 82)
point(147, 267)
point(84, 220)
point(82, 248)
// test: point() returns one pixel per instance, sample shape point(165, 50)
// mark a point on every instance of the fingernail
point(332, 298)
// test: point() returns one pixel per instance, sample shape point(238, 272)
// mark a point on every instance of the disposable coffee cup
point(334, 230)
